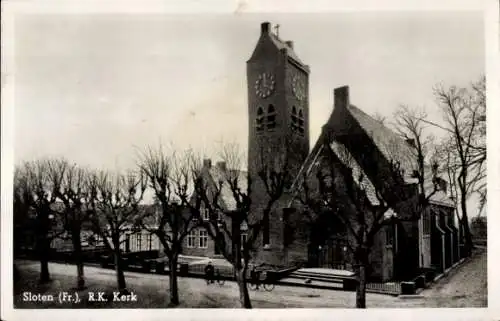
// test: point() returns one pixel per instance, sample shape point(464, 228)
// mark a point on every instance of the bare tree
point(225, 222)
point(362, 205)
point(411, 126)
point(233, 186)
point(464, 112)
point(380, 118)
point(69, 183)
point(34, 190)
point(114, 201)
point(169, 175)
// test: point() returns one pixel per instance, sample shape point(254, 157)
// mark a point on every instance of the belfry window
point(298, 121)
point(301, 122)
point(265, 120)
point(260, 120)
point(295, 119)
point(271, 117)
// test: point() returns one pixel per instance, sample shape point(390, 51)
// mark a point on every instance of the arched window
point(259, 122)
point(301, 122)
point(271, 117)
point(295, 120)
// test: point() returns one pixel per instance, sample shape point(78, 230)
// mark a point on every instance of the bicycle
point(266, 284)
point(220, 281)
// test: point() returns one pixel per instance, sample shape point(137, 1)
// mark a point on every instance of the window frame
point(203, 239)
point(191, 239)
point(139, 241)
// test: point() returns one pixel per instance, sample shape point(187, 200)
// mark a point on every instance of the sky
point(96, 88)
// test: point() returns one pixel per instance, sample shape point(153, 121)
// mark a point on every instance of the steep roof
point(390, 144)
point(280, 44)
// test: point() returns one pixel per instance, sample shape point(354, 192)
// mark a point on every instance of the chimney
point(289, 43)
point(341, 97)
point(264, 27)
point(207, 163)
point(221, 165)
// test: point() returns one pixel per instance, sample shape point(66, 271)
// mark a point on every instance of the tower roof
point(268, 38)
point(280, 44)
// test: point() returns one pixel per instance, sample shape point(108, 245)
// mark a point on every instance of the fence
point(386, 288)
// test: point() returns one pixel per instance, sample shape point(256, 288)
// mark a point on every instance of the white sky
point(93, 88)
point(90, 87)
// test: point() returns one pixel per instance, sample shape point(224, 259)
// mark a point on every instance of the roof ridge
point(283, 44)
point(351, 106)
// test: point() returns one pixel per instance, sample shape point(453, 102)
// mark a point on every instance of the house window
point(191, 239)
point(150, 241)
point(203, 239)
point(139, 242)
point(206, 214)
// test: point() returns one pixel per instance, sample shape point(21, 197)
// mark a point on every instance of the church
point(278, 121)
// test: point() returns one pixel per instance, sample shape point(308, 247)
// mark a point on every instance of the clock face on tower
point(298, 87)
point(264, 85)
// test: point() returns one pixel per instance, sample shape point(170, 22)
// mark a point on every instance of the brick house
point(198, 242)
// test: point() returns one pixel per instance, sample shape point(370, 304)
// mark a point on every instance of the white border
point(13, 7)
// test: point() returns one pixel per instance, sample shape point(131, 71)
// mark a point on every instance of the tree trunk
point(77, 252)
point(241, 279)
point(174, 290)
point(44, 252)
point(43, 245)
point(465, 222)
point(120, 276)
point(361, 287)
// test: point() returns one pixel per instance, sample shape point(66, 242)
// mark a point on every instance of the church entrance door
point(332, 254)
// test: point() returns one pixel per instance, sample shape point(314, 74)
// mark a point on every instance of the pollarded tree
point(35, 192)
point(113, 201)
point(70, 189)
point(169, 176)
point(225, 195)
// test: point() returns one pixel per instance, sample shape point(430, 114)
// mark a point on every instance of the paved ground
point(464, 288)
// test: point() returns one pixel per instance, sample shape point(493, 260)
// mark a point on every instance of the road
point(466, 287)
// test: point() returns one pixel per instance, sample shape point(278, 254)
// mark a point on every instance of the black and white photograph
point(246, 160)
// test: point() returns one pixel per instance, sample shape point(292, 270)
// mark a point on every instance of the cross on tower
point(277, 28)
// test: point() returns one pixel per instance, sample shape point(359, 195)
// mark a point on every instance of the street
point(465, 287)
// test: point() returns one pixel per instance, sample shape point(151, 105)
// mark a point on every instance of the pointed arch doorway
point(328, 244)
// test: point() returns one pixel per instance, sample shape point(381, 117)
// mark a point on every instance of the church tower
point(278, 114)
point(278, 103)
